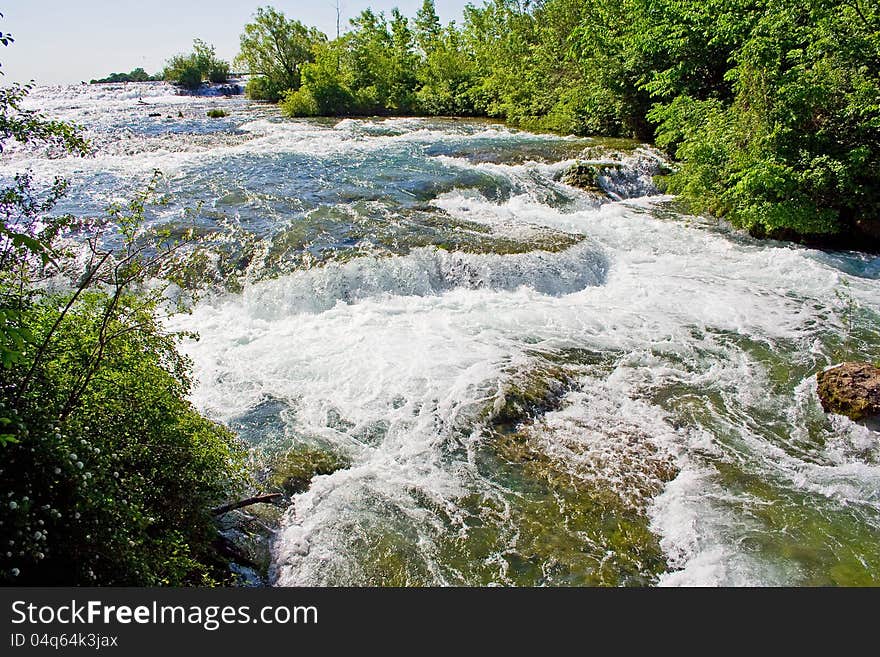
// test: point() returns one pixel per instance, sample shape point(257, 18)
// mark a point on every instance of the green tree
point(137, 75)
point(326, 85)
point(428, 28)
point(529, 73)
point(372, 69)
point(404, 65)
point(369, 54)
point(274, 50)
point(190, 70)
point(447, 76)
point(212, 68)
point(794, 149)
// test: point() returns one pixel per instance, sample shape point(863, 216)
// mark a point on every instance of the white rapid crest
point(425, 272)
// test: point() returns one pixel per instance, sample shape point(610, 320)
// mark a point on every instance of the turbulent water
point(528, 384)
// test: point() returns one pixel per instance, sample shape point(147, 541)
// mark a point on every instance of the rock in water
point(586, 176)
point(851, 389)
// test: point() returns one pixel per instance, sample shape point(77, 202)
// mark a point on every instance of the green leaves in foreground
point(115, 487)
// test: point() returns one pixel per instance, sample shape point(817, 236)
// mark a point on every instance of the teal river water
point(531, 385)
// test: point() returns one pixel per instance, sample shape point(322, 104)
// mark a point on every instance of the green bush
point(218, 73)
point(217, 113)
point(795, 150)
point(326, 86)
point(107, 473)
point(114, 474)
point(263, 88)
point(300, 103)
point(190, 77)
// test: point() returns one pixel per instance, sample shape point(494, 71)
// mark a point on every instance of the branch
point(268, 498)
point(42, 349)
point(95, 357)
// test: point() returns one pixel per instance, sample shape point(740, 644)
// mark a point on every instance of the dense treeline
point(771, 107)
point(137, 75)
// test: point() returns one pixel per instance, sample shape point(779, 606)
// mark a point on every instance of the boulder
point(850, 389)
point(586, 176)
point(292, 472)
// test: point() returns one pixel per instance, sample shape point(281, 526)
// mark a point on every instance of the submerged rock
point(292, 472)
point(586, 176)
point(616, 174)
point(529, 394)
point(245, 538)
point(574, 526)
point(850, 389)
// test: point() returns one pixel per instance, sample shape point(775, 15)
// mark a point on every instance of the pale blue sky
point(60, 41)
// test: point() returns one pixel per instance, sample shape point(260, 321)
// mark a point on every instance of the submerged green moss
point(246, 537)
point(527, 395)
point(799, 532)
point(292, 471)
point(567, 531)
point(379, 231)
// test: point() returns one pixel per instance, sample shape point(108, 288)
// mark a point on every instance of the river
point(528, 384)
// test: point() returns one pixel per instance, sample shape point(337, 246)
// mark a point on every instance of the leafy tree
point(326, 87)
point(795, 151)
point(215, 70)
point(446, 77)
point(370, 70)
point(404, 65)
point(274, 50)
point(428, 28)
point(192, 69)
point(529, 73)
point(369, 56)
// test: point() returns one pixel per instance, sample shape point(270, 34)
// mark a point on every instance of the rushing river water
point(529, 385)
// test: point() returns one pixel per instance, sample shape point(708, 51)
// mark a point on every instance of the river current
point(528, 384)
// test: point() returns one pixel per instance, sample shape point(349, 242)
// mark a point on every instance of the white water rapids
point(688, 349)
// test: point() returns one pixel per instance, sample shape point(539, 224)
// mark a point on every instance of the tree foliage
point(787, 143)
point(190, 70)
point(274, 50)
point(137, 75)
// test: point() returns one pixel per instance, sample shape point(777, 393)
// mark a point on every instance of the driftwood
point(269, 498)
